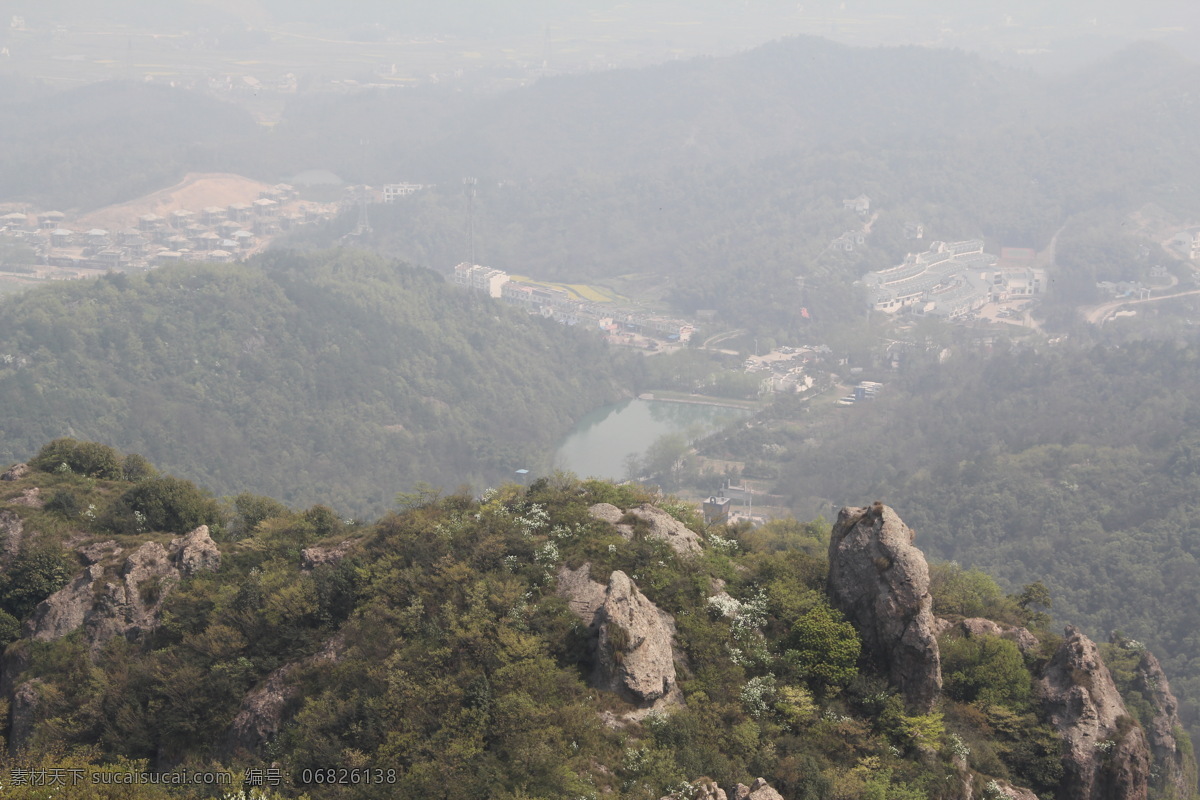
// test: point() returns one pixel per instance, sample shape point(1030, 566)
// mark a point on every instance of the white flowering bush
point(757, 694)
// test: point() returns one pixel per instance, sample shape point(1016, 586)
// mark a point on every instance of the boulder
point(313, 557)
point(196, 552)
point(606, 512)
point(1176, 766)
point(659, 525)
point(663, 526)
point(15, 472)
point(880, 581)
point(759, 790)
point(1106, 756)
point(634, 651)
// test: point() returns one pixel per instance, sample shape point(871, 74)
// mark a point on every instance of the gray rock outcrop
point(313, 557)
point(15, 472)
point(584, 596)
point(196, 552)
point(1106, 756)
point(263, 709)
point(880, 581)
point(759, 790)
point(66, 609)
point(659, 525)
point(1176, 766)
point(127, 603)
point(633, 640)
point(1025, 641)
point(634, 653)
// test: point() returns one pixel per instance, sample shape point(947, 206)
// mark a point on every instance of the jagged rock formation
point(15, 472)
point(759, 790)
point(129, 603)
point(313, 557)
point(196, 552)
point(12, 534)
point(707, 789)
point(634, 639)
point(881, 583)
point(1176, 766)
point(1106, 756)
point(262, 712)
point(64, 611)
point(660, 525)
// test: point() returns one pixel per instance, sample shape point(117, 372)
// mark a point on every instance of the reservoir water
point(600, 443)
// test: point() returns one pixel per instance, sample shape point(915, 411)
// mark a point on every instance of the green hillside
point(434, 654)
point(334, 377)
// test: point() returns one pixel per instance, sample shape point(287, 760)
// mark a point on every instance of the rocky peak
point(1106, 756)
point(880, 581)
point(196, 552)
point(1176, 765)
point(759, 790)
point(660, 525)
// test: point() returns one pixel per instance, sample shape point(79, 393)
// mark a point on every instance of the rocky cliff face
point(1106, 756)
point(109, 600)
point(1176, 765)
point(881, 583)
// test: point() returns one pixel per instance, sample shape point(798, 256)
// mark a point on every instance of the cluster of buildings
point(560, 305)
point(951, 280)
point(217, 234)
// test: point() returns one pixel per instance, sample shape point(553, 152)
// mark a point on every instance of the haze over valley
point(306, 310)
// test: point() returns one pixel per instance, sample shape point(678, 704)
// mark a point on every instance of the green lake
point(600, 443)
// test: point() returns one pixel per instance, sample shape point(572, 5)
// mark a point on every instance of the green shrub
point(83, 458)
point(163, 504)
point(32, 577)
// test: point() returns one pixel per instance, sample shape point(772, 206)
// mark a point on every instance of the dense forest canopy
point(336, 377)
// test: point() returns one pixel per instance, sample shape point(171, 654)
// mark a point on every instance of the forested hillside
point(1072, 465)
point(332, 377)
point(565, 640)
